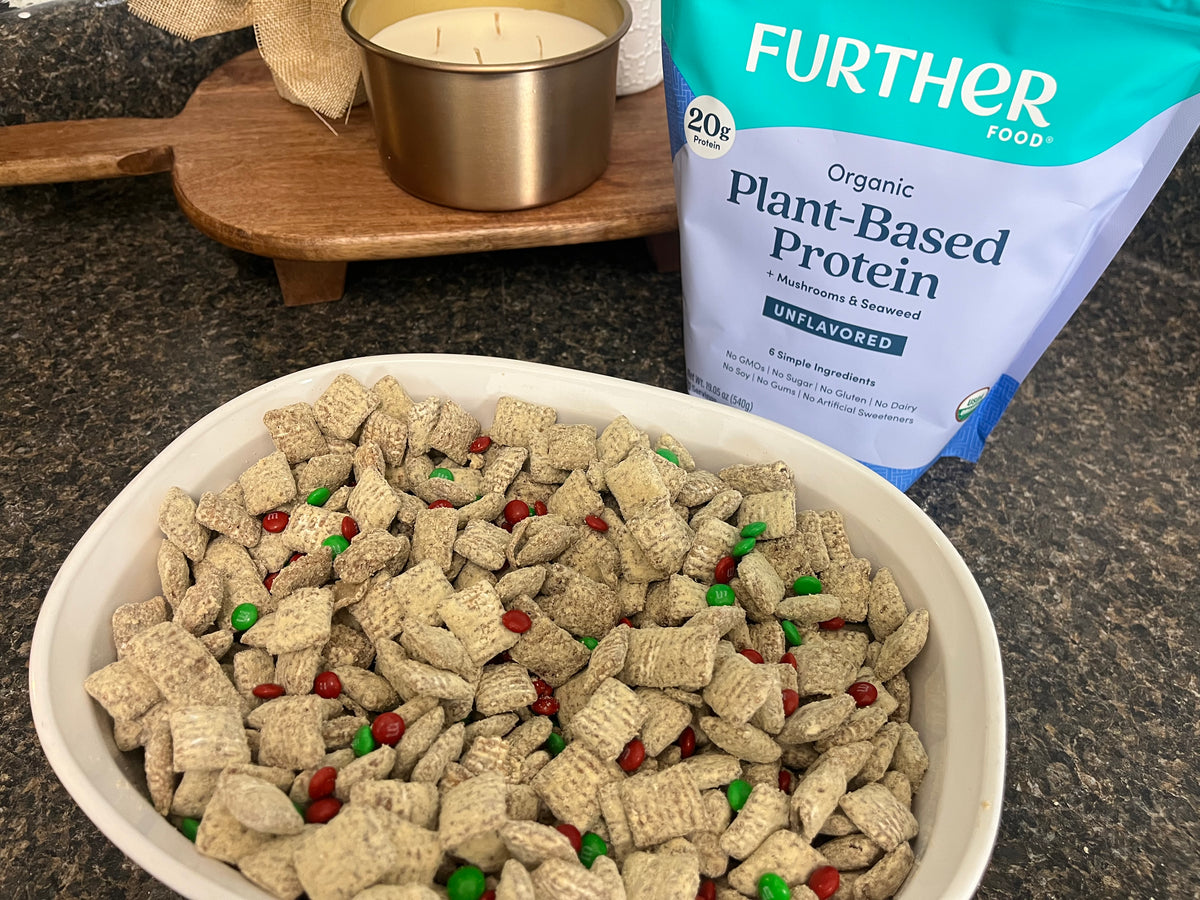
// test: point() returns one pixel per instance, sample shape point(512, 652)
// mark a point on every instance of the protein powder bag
point(888, 210)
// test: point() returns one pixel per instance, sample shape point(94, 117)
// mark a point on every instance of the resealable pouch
point(887, 211)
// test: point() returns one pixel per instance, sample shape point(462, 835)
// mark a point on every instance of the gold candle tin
point(491, 137)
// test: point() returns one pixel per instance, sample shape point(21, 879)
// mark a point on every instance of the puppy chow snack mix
point(625, 698)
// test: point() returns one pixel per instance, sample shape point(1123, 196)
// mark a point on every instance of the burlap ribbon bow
point(302, 41)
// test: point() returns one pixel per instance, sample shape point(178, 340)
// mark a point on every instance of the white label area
point(709, 127)
point(863, 291)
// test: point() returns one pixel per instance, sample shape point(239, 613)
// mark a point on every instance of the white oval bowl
point(957, 683)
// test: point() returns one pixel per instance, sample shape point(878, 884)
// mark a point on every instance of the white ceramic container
point(958, 693)
point(639, 60)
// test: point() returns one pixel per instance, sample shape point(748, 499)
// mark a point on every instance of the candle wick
point(437, 44)
point(478, 55)
point(541, 52)
point(497, 20)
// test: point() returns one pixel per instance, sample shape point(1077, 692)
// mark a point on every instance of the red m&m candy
point(517, 621)
point(388, 728)
point(632, 756)
point(275, 522)
point(791, 701)
point(321, 811)
point(322, 783)
point(515, 511)
point(725, 569)
point(544, 706)
point(327, 685)
point(687, 742)
point(824, 882)
point(572, 834)
point(863, 692)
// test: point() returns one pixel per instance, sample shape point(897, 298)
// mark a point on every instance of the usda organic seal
point(969, 403)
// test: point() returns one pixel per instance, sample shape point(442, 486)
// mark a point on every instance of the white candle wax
point(488, 35)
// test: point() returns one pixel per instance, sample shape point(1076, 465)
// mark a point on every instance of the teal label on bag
point(1079, 85)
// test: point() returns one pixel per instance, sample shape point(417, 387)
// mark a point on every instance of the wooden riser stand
point(263, 175)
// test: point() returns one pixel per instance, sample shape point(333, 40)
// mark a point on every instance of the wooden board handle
point(82, 150)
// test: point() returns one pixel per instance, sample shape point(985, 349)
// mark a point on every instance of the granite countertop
point(121, 325)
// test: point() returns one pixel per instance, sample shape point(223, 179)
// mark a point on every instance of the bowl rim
point(130, 837)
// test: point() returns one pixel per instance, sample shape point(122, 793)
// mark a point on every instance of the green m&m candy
point(772, 887)
point(555, 744)
point(363, 741)
point(442, 473)
point(719, 595)
point(590, 642)
point(189, 827)
point(591, 846)
point(465, 883)
point(738, 793)
point(753, 529)
point(742, 547)
point(336, 543)
point(807, 584)
point(318, 496)
point(668, 455)
point(243, 616)
point(791, 633)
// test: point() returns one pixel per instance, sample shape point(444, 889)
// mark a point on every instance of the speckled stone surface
point(120, 325)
